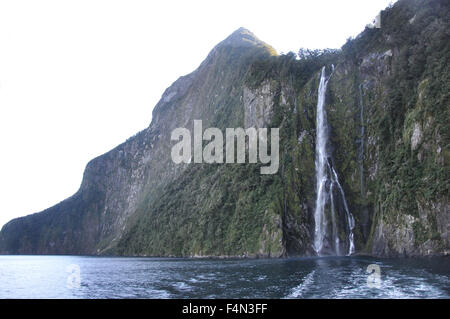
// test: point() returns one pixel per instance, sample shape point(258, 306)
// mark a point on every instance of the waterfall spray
point(320, 165)
point(326, 175)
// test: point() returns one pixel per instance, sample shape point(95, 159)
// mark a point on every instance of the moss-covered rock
point(388, 110)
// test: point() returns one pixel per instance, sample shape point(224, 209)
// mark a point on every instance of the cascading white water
point(334, 223)
point(322, 178)
point(348, 215)
point(320, 165)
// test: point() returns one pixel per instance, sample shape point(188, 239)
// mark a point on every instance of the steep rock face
point(387, 106)
point(258, 105)
point(117, 183)
point(388, 98)
point(217, 209)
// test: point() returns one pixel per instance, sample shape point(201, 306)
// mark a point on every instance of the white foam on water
point(182, 286)
point(299, 290)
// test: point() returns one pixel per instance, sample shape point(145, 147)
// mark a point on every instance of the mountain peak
point(243, 31)
point(243, 37)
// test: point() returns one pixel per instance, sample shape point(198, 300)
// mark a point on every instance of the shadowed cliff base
point(387, 112)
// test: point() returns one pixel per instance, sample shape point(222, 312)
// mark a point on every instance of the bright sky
point(79, 77)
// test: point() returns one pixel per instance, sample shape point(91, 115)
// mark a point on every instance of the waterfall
point(326, 176)
point(348, 215)
point(333, 222)
point(320, 222)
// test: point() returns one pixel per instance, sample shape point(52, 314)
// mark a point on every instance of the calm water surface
point(330, 277)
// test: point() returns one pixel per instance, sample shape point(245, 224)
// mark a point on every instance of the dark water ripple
point(330, 277)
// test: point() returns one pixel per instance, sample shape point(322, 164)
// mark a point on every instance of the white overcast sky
point(79, 77)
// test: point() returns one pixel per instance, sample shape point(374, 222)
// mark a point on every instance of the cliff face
point(393, 89)
point(121, 183)
point(387, 105)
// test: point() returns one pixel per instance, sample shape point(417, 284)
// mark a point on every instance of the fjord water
point(317, 277)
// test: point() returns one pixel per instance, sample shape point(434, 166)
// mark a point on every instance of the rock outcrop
point(387, 105)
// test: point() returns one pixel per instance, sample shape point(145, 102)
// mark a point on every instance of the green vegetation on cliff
point(388, 110)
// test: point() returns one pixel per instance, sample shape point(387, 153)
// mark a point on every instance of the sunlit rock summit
point(387, 119)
